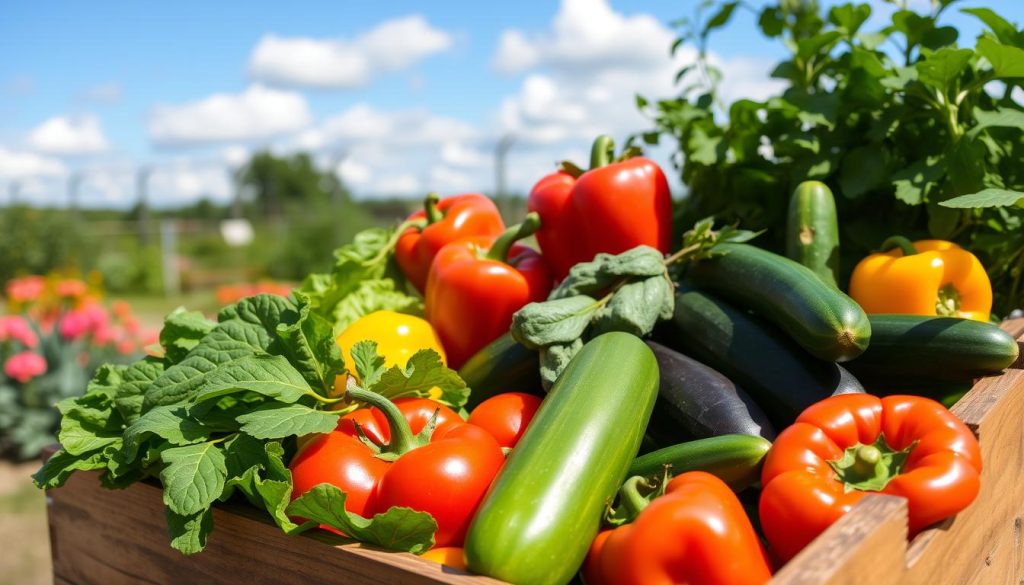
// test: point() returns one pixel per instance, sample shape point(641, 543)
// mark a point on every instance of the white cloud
point(258, 112)
point(67, 135)
point(187, 181)
point(354, 173)
point(236, 155)
point(586, 35)
point(460, 155)
point(403, 185)
point(104, 93)
point(448, 180)
point(363, 123)
point(23, 165)
point(393, 45)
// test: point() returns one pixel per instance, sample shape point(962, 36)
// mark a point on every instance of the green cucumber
point(780, 376)
point(915, 349)
point(543, 510)
point(812, 230)
point(735, 459)
point(823, 320)
point(502, 366)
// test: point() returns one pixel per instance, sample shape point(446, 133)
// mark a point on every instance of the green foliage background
point(904, 124)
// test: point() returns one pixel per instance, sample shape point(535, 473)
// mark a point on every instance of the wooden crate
point(111, 537)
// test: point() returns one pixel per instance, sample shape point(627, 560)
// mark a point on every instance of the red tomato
point(342, 461)
point(417, 412)
point(446, 478)
point(506, 416)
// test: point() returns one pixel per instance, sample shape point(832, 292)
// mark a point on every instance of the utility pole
point(337, 188)
point(142, 196)
point(500, 155)
point(74, 182)
point(13, 189)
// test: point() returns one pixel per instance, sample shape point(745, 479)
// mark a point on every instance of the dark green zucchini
point(735, 459)
point(820, 318)
point(503, 366)
point(777, 373)
point(696, 402)
point(918, 350)
point(812, 230)
point(543, 510)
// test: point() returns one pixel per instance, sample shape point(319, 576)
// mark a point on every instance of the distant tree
point(276, 181)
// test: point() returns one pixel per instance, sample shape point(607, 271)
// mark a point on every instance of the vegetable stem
point(402, 439)
point(899, 242)
point(503, 245)
point(603, 151)
point(434, 214)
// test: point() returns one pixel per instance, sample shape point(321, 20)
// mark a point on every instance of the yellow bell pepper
point(927, 277)
point(398, 337)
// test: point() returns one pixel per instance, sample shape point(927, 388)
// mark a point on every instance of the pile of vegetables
point(592, 407)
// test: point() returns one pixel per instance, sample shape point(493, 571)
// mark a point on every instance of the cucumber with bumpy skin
point(777, 373)
point(812, 230)
point(917, 350)
point(544, 508)
point(823, 320)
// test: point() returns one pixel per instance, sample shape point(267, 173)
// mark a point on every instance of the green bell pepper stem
point(503, 245)
point(603, 151)
point(899, 242)
point(402, 439)
point(434, 214)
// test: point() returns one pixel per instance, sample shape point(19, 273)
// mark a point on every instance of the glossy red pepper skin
point(464, 216)
point(803, 493)
point(697, 532)
point(610, 209)
point(446, 477)
point(470, 299)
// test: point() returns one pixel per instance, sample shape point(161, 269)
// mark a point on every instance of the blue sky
point(414, 94)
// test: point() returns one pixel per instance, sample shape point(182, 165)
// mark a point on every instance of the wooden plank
point(867, 545)
point(112, 537)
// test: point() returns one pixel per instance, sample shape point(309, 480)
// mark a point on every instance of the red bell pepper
point(697, 532)
point(439, 223)
point(476, 284)
point(374, 457)
point(846, 446)
point(613, 207)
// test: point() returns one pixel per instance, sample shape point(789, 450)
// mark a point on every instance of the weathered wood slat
point(104, 537)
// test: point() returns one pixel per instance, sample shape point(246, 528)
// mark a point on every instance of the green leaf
point(270, 376)
point(311, 347)
point(276, 420)
point(913, 182)
point(79, 438)
point(135, 380)
point(193, 477)
point(422, 372)
point(1000, 117)
point(553, 322)
point(594, 277)
point(171, 422)
point(189, 531)
point(368, 363)
point(985, 198)
point(182, 332)
point(721, 18)
point(400, 529)
point(275, 486)
point(636, 307)
point(942, 67)
point(817, 45)
point(863, 170)
point(555, 358)
point(849, 17)
point(56, 470)
point(1004, 31)
point(370, 296)
point(772, 21)
point(1006, 61)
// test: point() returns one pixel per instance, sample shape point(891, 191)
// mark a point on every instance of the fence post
point(169, 257)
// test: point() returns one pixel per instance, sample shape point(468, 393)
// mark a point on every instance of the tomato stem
point(503, 245)
point(402, 439)
point(900, 242)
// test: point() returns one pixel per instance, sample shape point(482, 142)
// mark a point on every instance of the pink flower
point(16, 328)
point(126, 347)
point(74, 324)
point(26, 289)
point(71, 288)
point(24, 366)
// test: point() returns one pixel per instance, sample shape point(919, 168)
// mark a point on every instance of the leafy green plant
point(916, 134)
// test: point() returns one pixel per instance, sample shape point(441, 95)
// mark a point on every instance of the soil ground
point(24, 537)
